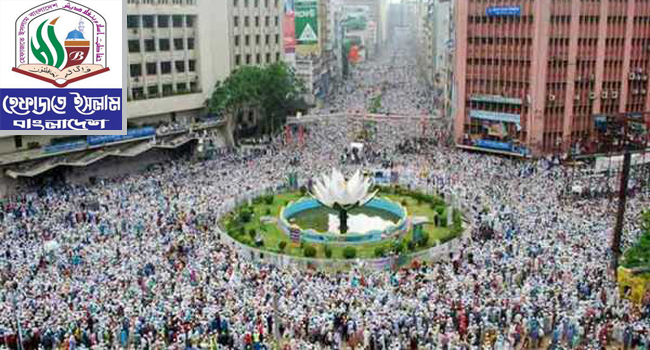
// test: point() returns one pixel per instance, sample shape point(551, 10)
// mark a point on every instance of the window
point(132, 21)
point(247, 40)
point(246, 23)
point(277, 57)
point(177, 21)
point(276, 3)
point(147, 21)
point(277, 21)
point(189, 21)
point(194, 87)
point(266, 3)
point(168, 89)
point(267, 39)
point(18, 141)
point(258, 58)
point(165, 67)
point(138, 93)
point(190, 43)
point(245, 3)
point(236, 40)
point(277, 38)
point(163, 21)
point(163, 44)
point(237, 60)
point(136, 70)
point(182, 87)
point(257, 21)
point(257, 3)
point(178, 44)
point(267, 21)
point(257, 39)
point(149, 45)
point(152, 91)
point(235, 21)
point(192, 65)
point(235, 3)
point(248, 59)
point(151, 68)
point(268, 57)
point(180, 66)
point(134, 46)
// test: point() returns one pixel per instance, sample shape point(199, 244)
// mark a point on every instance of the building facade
point(255, 28)
point(531, 74)
point(175, 56)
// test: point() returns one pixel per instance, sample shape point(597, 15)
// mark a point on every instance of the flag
point(294, 234)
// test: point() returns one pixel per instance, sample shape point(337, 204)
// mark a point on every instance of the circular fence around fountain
point(296, 233)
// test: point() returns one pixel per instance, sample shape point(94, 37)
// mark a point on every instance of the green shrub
point(397, 247)
point(424, 239)
point(245, 215)
point(404, 203)
point(269, 199)
point(309, 251)
point(411, 245)
point(245, 240)
point(380, 252)
point(349, 252)
point(252, 233)
point(267, 212)
point(282, 246)
point(327, 251)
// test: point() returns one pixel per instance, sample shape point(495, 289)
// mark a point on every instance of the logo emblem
point(60, 42)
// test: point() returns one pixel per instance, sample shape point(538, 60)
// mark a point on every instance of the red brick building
point(531, 74)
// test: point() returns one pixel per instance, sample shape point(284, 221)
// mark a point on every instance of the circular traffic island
point(396, 221)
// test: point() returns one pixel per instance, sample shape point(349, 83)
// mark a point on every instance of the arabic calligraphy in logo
point(82, 54)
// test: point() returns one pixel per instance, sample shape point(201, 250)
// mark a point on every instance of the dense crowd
point(392, 78)
point(137, 262)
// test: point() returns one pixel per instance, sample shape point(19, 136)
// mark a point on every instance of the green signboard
point(306, 22)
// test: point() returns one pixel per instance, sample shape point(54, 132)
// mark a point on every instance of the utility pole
point(618, 137)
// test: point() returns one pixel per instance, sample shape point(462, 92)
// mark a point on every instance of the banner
point(289, 29)
point(306, 27)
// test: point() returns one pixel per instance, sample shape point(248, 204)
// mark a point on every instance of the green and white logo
point(307, 22)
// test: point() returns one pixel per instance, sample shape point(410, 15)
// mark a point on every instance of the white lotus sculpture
point(341, 195)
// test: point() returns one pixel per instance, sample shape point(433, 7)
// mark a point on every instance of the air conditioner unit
point(614, 94)
point(603, 94)
point(635, 92)
point(592, 95)
point(551, 97)
point(644, 77)
point(577, 98)
point(643, 92)
point(632, 76)
point(592, 77)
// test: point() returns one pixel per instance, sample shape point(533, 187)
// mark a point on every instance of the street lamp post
point(13, 287)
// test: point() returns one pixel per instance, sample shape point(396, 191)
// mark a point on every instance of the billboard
point(306, 27)
point(289, 30)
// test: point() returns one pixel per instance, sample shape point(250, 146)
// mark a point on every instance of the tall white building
point(255, 29)
point(177, 51)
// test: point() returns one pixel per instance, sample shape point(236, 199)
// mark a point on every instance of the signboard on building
point(289, 28)
point(503, 11)
point(306, 27)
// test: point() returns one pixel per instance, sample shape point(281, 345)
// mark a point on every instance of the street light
point(13, 287)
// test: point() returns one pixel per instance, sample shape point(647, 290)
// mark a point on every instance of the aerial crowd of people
point(137, 262)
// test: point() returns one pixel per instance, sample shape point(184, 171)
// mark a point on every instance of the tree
point(280, 93)
point(240, 91)
point(273, 91)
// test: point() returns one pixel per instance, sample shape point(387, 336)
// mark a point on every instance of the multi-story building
point(175, 56)
point(533, 73)
point(255, 29)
